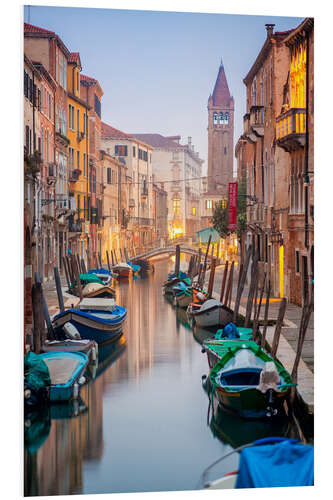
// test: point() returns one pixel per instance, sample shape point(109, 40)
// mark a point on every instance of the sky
point(157, 69)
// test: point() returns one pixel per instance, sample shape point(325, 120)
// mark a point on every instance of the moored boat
point(216, 347)
point(267, 463)
point(248, 381)
point(211, 313)
point(98, 290)
point(95, 319)
point(123, 270)
point(65, 370)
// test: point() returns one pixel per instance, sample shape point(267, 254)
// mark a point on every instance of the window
point(209, 204)
point(176, 206)
point(226, 120)
point(221, 118)
point(78, 160)
point(134, 151)
point(84, 165)
point(78, 121)
point(297, 261)
point(215, 118)
point(254, 92)
point(97, 106)
point(109, 172)
point(26, 84)
point(84, 124)
point(77, 81)
point(194, 211)
point(69, 116)
point(225, 150)
point(120, 150)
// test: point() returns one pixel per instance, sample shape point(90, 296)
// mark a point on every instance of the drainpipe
point(306, 166)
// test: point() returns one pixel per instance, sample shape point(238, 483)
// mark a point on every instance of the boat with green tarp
point(248, 381)
point(216, 347)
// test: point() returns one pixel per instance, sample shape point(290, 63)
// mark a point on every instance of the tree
point(220, 216)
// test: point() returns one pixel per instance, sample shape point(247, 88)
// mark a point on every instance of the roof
point(278, 36)
point(74, 57)
point(109, 132)
point(221, 95)
point(158, 141)
point(30, 28)
point(35, 31)
point(87, 79)
point(306, 25)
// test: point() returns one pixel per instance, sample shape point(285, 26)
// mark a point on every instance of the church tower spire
point(220, 135)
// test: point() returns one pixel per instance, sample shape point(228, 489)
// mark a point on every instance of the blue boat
point(95, 319)
point(268, 463)
point(103, 274)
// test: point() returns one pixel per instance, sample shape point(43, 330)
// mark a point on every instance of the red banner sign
point(232, 194)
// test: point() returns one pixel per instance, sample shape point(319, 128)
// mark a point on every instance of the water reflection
point(145, 410)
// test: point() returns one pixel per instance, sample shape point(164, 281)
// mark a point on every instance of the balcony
point(257, 120)
point(74, 227)
point(141, 221)
point(51, 171)
point(290, 129)
point(74, 175)
point(256, 214)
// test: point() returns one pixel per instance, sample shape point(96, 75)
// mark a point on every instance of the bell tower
point(220, 135)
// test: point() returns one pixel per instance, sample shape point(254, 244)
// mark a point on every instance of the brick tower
point(220, 135)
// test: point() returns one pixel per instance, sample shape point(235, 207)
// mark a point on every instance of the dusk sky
point(157, 69)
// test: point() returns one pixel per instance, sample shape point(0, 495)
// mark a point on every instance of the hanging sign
point(232, 195)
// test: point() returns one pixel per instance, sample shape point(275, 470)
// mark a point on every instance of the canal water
point(141, 424)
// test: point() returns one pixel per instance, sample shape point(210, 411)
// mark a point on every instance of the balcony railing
point(74, 227)
point(74, 175)
point(141, 221)
point(291, 128)
point(257, 119)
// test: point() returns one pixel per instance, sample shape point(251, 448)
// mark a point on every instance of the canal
point(141, 424)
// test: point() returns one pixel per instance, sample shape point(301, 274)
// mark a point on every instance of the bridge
point(170, 250)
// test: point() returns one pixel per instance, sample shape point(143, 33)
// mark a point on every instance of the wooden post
point(257, 309)
point(225, 274)
point(254, 279)
point(83, 266)
point(88, 259)
point(126, 254)
point(240, 272)
point(190, 266)
point(227, 299)
point(108, 260)
point(100, 260)
point(66, 272)
point(59, 291)
point(50, 331)
point(242, 282)
point(211, 277)
point(306, 315)
point(78, 281)
point(78, 262)
point(263, 338)
point(177, 260)
point(278, 327)
point(38, 316)
point(70, 271)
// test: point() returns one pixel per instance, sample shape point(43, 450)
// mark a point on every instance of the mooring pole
point(211, 278)
point(177, 260)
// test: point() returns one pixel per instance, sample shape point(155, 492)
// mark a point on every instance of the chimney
point(189, 140)
point(269, 29)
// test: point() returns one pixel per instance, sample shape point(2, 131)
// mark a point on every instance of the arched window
point(215, 118)
point(221, 118)
point(226, 120)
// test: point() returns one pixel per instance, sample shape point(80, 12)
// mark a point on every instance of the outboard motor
point(268, 384)
point(71, 332)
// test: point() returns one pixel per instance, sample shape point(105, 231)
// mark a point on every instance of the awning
point(204, 235)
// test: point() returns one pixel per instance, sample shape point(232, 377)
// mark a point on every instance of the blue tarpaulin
point(204, 235)
point(287, 463)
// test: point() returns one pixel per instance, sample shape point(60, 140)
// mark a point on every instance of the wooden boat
point(267, 463)
point(88, 347)
point(145, 266)
point(215, 347)
point(182, 294)
point(103, 274)
point(95, 319)
point(98, 290)
point(167, 287)
point(211, 313)
point(248, 381)
point(66, 371)
point(123, 270)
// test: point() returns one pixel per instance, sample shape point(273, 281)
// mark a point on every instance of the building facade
point(179, 168)
point(136, 155)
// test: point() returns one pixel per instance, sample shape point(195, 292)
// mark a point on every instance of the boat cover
point(209, 304)
point(230, 331)
point(36, 372)
point(91, 278)
point(63, 366)
point(286, 463)
point(100, 270)
point(97, 304)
